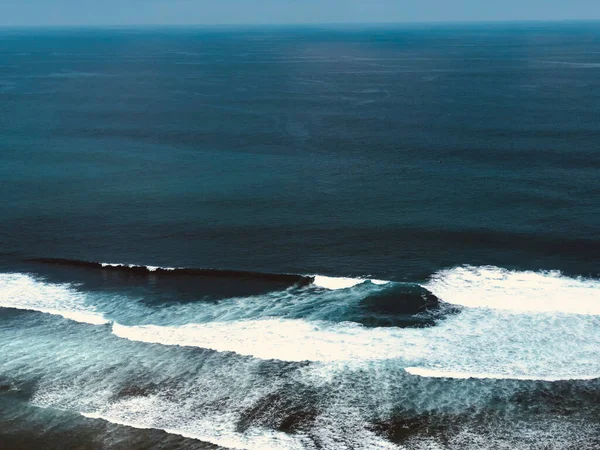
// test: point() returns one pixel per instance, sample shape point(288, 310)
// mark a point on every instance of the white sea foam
point(210, 406)
point(496, 288)
point(206, 396)
point(335, 430)
point(206, 407)
point(433, 373)
point(335, 283)
point(485, 341)
point(475, 341)
point(22, 291)
point(275, 338)
point(143, 413)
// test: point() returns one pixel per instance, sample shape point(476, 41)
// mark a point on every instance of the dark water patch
point(275, 368)
point(562, 397)
point(516, 414)
point(403, 305)
point(401, 429)
point(17, 390)
point(136, 390)
point(567, 247)
point(141, 386)
point(288, 410)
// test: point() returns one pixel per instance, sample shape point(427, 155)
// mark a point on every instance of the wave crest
point(335, 283)
point(289, 279)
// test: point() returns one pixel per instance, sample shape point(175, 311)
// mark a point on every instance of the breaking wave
point(294, 369)
point(322, 281)
point(165, 271)
point(512, 325)
point(335, 283)
point(280, 339)
point(21, 291)
point(521, 292)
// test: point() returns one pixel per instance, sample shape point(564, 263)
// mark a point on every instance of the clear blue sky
point(129, 12)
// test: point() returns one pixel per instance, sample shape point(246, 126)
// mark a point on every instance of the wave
point(164, 271)
point(332, 283)
point(367, 305)
point(433, 373)
point(335, 283)
point(21, 291)
point(490, 336)
point(522, 292)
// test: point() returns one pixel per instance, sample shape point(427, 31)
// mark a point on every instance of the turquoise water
point(339, 237)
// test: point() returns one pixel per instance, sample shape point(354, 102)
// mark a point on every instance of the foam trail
point(21, 291)
point(433, 373)
point(473, 343)
point(255, 439)
point(282, 339)
point(496, 288)
point(335, 283)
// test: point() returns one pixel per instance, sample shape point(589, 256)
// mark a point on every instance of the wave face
point(175, 271)
point(351, 365)
point(326, 282)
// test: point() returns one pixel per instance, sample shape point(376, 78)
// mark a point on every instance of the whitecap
point(526, 291)
point(275, 338)
point(134, 266)
point(22, 291)
point(335, 283)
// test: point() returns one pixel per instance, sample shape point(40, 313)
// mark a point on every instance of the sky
point(214, 12)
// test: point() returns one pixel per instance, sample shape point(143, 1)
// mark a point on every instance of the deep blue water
point(458, 163)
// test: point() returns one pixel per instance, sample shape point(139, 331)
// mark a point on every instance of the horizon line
point(306, 24)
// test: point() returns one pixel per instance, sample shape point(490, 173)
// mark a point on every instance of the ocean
point(333, 237)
